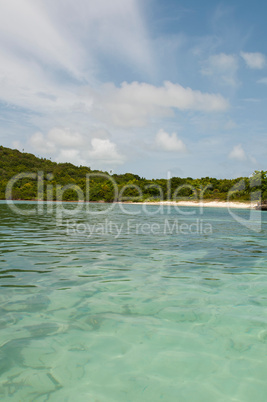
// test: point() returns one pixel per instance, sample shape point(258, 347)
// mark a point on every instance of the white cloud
point(116, 29)
point(65, 138)
point(169, 142)
point(70, 155)
point(50, 61)
point(24, 83)
point(131, 105)
point(31, 67)
point(262, 81)
point(54, 55)
point(223, 67)
point(39, 143)
point(50, 50)
point(70, 36)
point(106, 151)
point(55, 139)
point(254, 60)
point(66, 146)
point(17, 145)
point(27, 30)
point(238, 153)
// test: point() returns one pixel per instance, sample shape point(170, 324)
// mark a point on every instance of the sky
point(151, 87)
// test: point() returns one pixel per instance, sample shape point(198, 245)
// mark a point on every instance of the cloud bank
point(131, 105)
point(67, 146)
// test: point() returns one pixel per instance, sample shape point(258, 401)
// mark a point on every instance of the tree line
point(65, 176)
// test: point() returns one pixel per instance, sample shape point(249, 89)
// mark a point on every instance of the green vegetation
point(68, 182)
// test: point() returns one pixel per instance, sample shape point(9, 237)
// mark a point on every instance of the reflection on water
point(141, 317)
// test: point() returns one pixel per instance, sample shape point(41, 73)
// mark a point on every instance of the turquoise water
point(160, 314)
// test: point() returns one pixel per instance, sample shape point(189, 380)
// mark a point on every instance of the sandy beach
point(214, 204)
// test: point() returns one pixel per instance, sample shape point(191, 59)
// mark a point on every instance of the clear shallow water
point(142, 317)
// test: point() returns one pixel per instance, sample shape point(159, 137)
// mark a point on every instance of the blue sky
point(148, 87)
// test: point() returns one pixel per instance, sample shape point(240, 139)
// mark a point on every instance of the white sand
point(216, 204)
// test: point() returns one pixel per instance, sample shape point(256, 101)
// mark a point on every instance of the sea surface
point(105, 303)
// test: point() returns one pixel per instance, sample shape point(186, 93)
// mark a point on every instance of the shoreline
point(199, 204)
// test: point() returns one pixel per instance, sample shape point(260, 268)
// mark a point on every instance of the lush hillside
point(55, 178)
